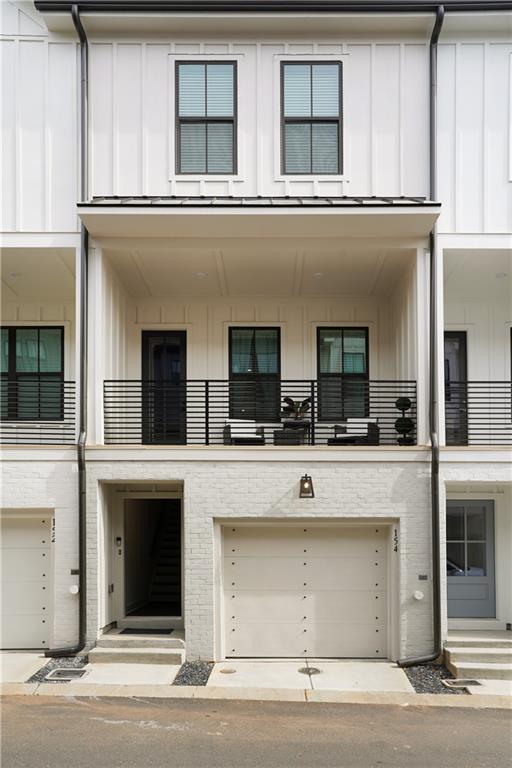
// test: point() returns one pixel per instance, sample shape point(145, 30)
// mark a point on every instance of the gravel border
point(72, 662)
point(194, 673)
point(427, 678)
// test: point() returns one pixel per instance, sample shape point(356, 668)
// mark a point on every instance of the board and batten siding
point(475, 137)
point(39, 143)
point(385, 96)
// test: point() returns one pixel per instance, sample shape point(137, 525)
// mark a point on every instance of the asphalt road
point(47, 732)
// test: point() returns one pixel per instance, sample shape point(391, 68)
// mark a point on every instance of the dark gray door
point(164, 387)
point(455, 387)
point(470, 559)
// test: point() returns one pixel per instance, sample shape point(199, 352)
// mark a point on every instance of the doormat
point(143, 631)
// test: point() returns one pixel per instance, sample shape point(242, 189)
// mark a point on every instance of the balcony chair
point(356, 431)
point(243, 432)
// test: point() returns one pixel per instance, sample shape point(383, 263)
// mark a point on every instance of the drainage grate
point(65, 674)
point(309, 671)
point(461, 683)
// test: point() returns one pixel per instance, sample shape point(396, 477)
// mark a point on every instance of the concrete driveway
point(324, 675)
point(18, 666)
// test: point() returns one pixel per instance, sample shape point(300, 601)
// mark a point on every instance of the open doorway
point(152, 558)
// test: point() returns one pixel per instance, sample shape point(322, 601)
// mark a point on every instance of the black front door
point(164, 389)
point(455, 387)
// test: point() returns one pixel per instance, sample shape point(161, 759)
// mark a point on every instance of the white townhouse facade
point(256, 324)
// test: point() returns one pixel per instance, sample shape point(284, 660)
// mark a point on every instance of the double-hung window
point(206, 117)
point(32, 368)
point(254, 373)
point(343, 387)
point(311, 117)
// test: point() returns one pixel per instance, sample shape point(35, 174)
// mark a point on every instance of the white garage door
point(305, 591)
point(25, 574)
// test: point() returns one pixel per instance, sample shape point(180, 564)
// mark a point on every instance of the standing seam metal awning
point(117, 216)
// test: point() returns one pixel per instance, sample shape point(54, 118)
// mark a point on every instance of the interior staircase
point(480, 655)
point(166, 581)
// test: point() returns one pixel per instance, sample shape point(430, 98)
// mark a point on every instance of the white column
point(422, 343)
point(97, 334)
point(440, 344)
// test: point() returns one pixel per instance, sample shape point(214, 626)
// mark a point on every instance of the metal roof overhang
point(279, 220)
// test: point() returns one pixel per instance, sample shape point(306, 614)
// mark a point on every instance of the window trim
point(11, 375)
point(311, 120)
point(358, 376)
point(239, 376)
point(204, 120)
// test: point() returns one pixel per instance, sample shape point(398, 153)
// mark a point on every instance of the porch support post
point(439, 299)
point(421, 343)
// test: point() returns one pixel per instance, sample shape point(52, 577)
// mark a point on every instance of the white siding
point(475, 183)
point(39, 135)
point(385, 118)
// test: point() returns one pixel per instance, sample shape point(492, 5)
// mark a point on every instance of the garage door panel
point(265, 640)
point(25, 582)
point(25, 565)
point(314, 573)
point(348, 606)
point(28, 631)
point(333, 593)
point(27, 533)
point(24, 597)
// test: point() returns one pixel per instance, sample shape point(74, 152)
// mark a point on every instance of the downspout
point(83, 308)
point(433, 367)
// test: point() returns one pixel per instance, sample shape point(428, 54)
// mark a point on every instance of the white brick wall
point(51, 485)
point(270, 490)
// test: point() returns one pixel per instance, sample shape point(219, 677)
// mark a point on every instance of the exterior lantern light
point(306, 487)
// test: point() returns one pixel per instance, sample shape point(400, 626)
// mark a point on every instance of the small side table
point(299, 424)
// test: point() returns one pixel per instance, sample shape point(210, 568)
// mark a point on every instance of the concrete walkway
point(326, 675)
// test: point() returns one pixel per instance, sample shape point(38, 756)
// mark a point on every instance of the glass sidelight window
point(311, 114)
point(206, 117)
point(342, 373)
point(32, 370)
point(254, 373)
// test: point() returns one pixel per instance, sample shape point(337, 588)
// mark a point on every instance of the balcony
point(37, 411)
point(331, 412)
point(478, 413)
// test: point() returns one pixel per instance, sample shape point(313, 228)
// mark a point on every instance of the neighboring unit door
point(470, 559)
point(455, 383)
point(304, 590)
point(164, 387)
point(25, 579)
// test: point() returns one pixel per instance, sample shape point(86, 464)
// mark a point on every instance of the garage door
point(25, 575)
point(305, 591)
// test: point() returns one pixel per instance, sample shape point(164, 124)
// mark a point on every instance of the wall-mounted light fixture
point(306, 487)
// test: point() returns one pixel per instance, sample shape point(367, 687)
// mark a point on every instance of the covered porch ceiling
point(264, 268)
point(37, 274)
point(396, 218)
point(478, 274)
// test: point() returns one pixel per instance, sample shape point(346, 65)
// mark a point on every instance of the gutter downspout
point(433, 366)
point(83, 299)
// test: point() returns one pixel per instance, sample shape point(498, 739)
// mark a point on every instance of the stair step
point(480, 671)
point(139, 641)
point(135, 655)
point(486, 639)
point(475, 654)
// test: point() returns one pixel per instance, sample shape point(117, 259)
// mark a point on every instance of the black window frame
point(13, 377)
point(258, 415)
point(311, 120)
point(179, 121)
point(343, 377)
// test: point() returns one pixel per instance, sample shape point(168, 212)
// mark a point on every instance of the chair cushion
point(242, 428)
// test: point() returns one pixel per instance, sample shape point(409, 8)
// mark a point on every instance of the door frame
point(118, 605)
point(500, 571)
point(394, 568)
point(144, 334)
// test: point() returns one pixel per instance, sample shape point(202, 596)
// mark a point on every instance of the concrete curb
point(258, 694)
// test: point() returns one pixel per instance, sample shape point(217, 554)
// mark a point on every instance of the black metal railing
point(478, 413)
point(37, 411)
point(198, 412)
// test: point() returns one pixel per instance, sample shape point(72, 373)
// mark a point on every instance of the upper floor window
point(206, 117)
point(311, 118)
point(32, 368)
point(254, 373)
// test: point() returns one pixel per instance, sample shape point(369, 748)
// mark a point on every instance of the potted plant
point(295, 409)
